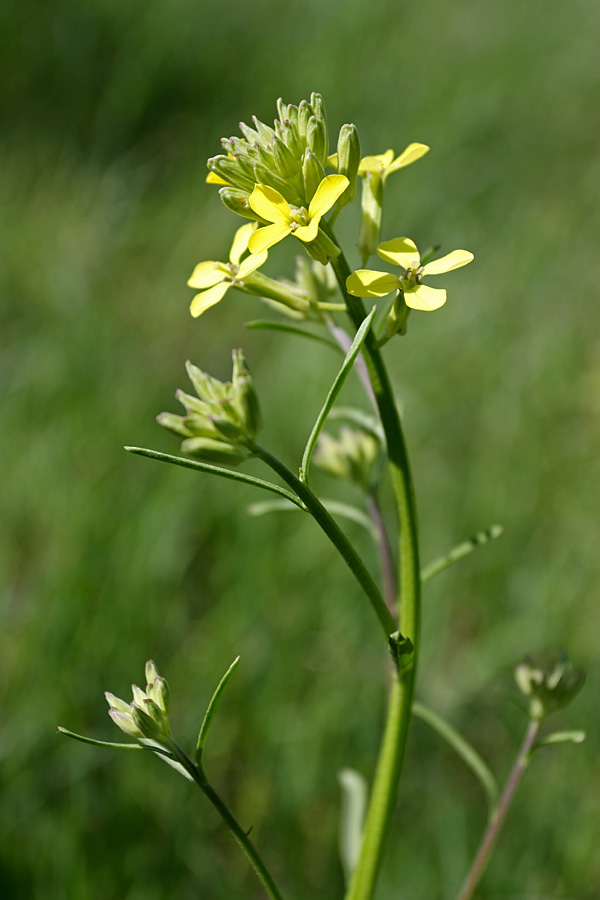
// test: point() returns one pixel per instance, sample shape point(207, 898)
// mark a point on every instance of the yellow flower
point(270, 205)
point(215, 278)
point(384, 163)
point(403, 252)
point(213, 178)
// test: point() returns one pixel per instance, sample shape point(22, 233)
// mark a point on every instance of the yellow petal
point(308, 233)
point(332, 161)
point(375, 163)
point(206, 299)
point(213, 178)
point(332, 187)
point(252, 263)
point(265, 237)
point(368, 283)
point(400, 252)
point(240, 242)
point(206, 274)
point(424, 298)
point(453, 260)
point(412, 153)
point(269, 204)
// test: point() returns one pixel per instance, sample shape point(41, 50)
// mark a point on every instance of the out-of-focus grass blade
point(333, 393)
point(212, 710)
point(265, 325)
point(465, 750)
point(352, 819)
point(460, 551)
point(216, 470)
point(345, 510)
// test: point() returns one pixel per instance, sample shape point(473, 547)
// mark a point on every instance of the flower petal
point(400, 252)
point(412, 153)
point(252, 263)
point(269, 204)
point(308, 233)
point(206, 274)
point(332, 161)
point(368, 283)
point(213, 178)
point(265, 237)
point(424, 298)
point(332, 187)
point(206, 299)
point(453, 260)
point(375, 163)
point(240, 242)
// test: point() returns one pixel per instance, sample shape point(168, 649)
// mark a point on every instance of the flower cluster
point(221, 422)
point(548, 688)
point(147, 716)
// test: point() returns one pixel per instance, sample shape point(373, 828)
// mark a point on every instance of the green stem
point(391, 756)
point(493, 830)
point(199, 776)
point(335, 535)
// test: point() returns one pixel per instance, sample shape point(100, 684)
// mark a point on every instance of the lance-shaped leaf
point(212, 710)
point(465, 750)
point(335, 390)
point(216, 470)
point(352, 819)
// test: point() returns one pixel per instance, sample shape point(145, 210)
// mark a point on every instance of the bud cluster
point(290, 157)
point(147, 716)
point(355, 456)
point(221, 422)
point(548, 688)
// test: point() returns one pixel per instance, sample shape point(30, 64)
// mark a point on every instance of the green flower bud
point(354, 456)
point(313, 174)
point(236, 200)
point(304, 114)
point(265, 132)
point(287, 164)
point(230, 171)
point(317, 139)
point(318, 107)
point(371, 213)
point(145, 724)
point(397, 318)
point(244, 395)
point(348, 149)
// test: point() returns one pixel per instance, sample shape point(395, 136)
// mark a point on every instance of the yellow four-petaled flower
point(303, 223)
point(215, 278)
point(403, 252)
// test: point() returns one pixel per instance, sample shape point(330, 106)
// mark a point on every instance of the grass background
point(109, 113)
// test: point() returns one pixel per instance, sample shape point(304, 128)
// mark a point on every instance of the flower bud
point(304, 114)
point(313, 174)
point(317, 139)
point(348, 150)
point(287, 164)
point(229, 169)
point(244, 394)
point(548, 688)
point(371, 212)
point(236, 199)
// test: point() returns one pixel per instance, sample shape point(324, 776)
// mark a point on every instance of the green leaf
point(292, 329)
point(212, 710)
point(333, 393)
point(560, 737)
point(465, 750)
point(460, 551)
point(352, 819)
point(345, 510)
point(110, 744)
point(216, 470)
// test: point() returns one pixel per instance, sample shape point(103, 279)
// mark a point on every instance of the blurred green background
point(110, 110)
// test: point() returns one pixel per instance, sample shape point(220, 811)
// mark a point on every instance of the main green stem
point(336, 536)
point(392, 751)
point(198, 774)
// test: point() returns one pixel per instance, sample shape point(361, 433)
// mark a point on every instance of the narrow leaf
point(212, 709)
point(352, 819)
point(333, 393)
point(291, 329)
point(465, 750)
point(560, 737)
point(345, 510)
point(110, 744)
point(460, 551)
point(216, 470)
